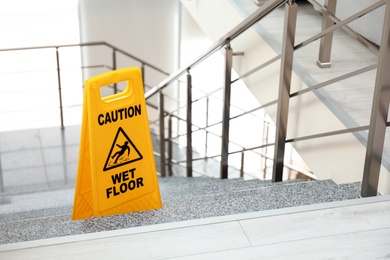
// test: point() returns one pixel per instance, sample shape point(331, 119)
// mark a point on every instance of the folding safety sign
point(116, 170)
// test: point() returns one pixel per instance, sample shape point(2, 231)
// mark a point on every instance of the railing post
point(59, 87)
point(265, 141)
point(326, 41)
point(143, 74)
point(242, 164)
point(207, 125)
point(189, 125)
point(170, 148)
point(114, 68)
point(1, 178)
point(284, 89)
point(226, 112)
point(162, 132)
point(379, 113)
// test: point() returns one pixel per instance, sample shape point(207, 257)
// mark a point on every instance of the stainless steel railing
point(114, 50)
point(376, 127)
point(375, 138)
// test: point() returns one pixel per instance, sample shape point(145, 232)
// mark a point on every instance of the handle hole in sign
point(110, 89)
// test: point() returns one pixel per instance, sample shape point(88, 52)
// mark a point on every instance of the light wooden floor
point(355, 229)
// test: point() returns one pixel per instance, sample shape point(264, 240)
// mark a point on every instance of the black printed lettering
point(122, 183)
point(119, 114)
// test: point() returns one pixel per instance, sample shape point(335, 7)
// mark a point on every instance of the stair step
point(183, 199)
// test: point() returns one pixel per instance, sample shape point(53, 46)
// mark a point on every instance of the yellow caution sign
point(116, 170)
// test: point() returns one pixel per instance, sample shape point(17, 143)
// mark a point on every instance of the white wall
point(25, 23)
point(145, 29)
point(28, 79)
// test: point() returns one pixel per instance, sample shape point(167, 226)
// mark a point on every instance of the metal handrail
point(325, 134)
point(256, 16)
point(232, 34)
point(225, 40)
point(89, 44)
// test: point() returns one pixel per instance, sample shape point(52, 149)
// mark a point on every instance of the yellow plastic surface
point(116, 170)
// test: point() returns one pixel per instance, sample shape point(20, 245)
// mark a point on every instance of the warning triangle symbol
point(123, 151)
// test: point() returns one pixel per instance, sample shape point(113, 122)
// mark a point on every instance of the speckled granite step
point(45, 215)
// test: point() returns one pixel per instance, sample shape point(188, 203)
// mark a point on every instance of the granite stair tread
point(183, 199)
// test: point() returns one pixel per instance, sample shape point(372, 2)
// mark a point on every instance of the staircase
point(28, 217)
point(329, 108)
point(35, 216)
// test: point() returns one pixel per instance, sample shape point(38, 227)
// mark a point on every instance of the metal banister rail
point(232, 34)
point(87, 44)
point(381, 98)
point(376, 128)
point(113, 66)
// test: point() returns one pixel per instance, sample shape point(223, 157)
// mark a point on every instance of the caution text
point(124, 182)
point(119, 114)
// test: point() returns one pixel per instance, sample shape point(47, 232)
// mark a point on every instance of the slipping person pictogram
point(123, 151)
point(125, 147)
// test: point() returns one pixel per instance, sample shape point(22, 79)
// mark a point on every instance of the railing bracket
point(239, 53)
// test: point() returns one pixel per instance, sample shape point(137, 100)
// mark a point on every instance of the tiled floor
point(39, 159)
point(356, 229)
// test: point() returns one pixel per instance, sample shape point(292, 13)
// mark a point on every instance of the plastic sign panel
point(116, 170)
